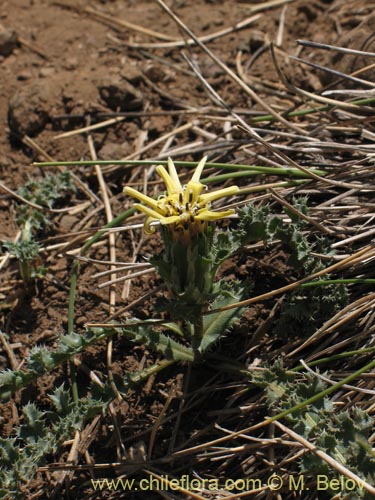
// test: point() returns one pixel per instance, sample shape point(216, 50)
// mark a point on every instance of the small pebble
point(24, 75)
point(81, 320)
point(71, 63)
point(154, 72)
point(46, 72)
point(112, 151)
point(119, 93)
point(132, 74)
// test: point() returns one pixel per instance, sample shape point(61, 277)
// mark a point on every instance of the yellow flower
point(184, 208)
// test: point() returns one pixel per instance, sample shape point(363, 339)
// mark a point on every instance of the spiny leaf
point(33, 426)
point(215, 325)
point(41, 360)
point(153, 339)
point(61, 399)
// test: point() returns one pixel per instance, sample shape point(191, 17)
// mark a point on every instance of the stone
point(28, 110)
point(112, 151)
point(70, 64)
point(46, 72)
point(24, 75)
point(119, 94)
point(132, 73)
point(8, 41)
point(154, 72)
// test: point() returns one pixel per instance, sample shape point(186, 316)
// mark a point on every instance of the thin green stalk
point(73, 286)
point(264, 187)
point(343, 281)
point(151, 370)
point(303, 112)
point(26, 264)
point(72, 295)
point(328, 359)
point(73, 283)
point(197, 336)
point(73, 379)
point(234, 175)
point(293, 172)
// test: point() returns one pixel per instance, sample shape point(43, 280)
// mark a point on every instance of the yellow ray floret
point(183, 207)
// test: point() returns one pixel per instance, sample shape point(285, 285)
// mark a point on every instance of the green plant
point(192, 255)
point(201, 306)
point(26, 250)
point(44, 193)
point(343, 435)
point(306, 308)
point(40, 435)
point(27, 253)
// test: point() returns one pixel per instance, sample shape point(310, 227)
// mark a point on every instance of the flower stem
point(197, 336)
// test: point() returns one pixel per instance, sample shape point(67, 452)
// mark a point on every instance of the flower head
point(185, 208)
